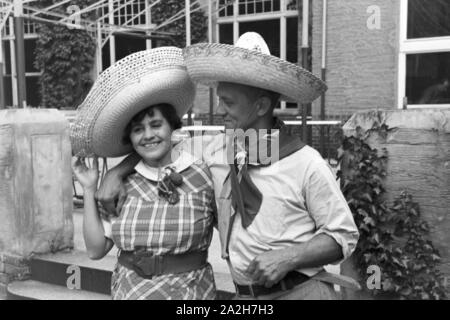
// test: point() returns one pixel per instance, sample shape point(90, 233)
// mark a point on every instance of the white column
point(401, 81)
point(305, 34)
point(12, 53)
point(324, 34)
point(188, 22)
point(112, 38)
point(99, 48)
point(283, 34)
point(148, 22)
point(235, 22)
point(210, 25)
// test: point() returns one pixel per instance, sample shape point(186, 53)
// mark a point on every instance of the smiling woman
point(150, 133)
point(164, 228)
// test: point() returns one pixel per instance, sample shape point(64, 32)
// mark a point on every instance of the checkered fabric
point(147, 220)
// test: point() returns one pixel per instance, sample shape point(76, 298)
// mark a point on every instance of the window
point(424, 57)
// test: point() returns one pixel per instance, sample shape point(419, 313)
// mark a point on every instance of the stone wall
point(418, 146)
point(35, 187)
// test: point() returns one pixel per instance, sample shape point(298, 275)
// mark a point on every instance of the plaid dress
point(147, 220)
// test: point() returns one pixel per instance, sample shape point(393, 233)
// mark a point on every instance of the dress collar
point(184, 161)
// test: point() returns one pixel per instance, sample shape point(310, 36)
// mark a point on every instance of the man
point(281, 215)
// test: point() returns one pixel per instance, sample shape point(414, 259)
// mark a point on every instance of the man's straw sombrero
point(137, 81)
point(249, 62)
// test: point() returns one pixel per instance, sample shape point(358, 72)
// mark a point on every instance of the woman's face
point(151, 138)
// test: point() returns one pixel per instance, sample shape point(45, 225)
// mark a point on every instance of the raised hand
point(86, 172)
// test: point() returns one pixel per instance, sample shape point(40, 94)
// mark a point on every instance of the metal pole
point(188, 42)
point(99, 48)
point(324, 73)
point(148, 22)
point(20, 54)
point(210, 40)
point(12, 54)
point(112, 38)
point(305, 47)
point(2, 88)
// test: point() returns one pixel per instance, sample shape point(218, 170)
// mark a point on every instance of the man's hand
point(111, 193)
point(270, 267)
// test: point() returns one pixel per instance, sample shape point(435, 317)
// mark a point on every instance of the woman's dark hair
point(168, 112)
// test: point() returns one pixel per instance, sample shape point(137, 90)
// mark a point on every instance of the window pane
point(7, 85)
point(226, 33)
point(428, 18)
point(33, 98)
point(427, 78)
point(7, 56)
point(30, 46)
point(268, 29)
point(292, 40)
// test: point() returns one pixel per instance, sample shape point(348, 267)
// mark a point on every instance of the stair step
point(36, 290)
point(59, 268)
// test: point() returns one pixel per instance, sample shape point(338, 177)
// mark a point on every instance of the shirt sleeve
point(329, 209)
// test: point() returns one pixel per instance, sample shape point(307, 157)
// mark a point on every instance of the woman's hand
point(86, 173)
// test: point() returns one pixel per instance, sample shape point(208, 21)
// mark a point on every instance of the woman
point(165, 226)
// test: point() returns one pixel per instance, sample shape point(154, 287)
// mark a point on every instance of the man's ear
point(264, 106)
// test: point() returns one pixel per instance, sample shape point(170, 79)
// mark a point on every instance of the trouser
point(309, 290)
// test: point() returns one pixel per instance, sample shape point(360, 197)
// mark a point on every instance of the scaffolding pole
point(304, 51)
point(2, 87)
point(188, 42)
point(20, 54)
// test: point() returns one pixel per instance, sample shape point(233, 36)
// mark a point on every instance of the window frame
point(415, 46)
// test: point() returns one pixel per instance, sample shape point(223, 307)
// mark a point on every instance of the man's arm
point(335, 237)
point(111, 187)
point(271, 266)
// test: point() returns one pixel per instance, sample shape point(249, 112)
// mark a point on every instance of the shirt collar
point(184, 161)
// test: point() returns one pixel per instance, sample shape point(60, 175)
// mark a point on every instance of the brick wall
point(361, 63)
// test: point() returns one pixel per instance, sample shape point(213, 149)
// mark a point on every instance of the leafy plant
point(391, 237)
point(65, 57)
point(168, 8)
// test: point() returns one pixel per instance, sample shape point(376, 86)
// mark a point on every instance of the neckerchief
point(246, 197)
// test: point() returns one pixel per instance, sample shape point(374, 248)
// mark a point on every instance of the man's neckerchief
point(246, 197)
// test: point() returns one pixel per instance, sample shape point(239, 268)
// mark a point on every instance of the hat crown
point(253, 41)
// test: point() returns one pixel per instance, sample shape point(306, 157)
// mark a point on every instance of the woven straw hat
point(249, 62)
point(132, 84)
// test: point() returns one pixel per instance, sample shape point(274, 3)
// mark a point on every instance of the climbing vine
point(167, 9)
point(65, 57)
point(392, 237)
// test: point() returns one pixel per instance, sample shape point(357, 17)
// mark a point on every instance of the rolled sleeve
point(108, 229)
point(329, 209)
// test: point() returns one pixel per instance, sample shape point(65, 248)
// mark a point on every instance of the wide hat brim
point(134, 83)
point(209, 64)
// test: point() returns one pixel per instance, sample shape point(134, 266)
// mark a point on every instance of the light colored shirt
point(301, 199)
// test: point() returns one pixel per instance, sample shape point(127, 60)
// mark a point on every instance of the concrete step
point(36, 290)
point(64, 269)
point(60, 268)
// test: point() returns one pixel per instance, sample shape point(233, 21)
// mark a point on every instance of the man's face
point(237, 103)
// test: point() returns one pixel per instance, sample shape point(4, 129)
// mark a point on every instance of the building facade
point(382, 54)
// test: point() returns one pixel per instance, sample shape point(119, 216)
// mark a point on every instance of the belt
point(291, 280)
point(295, 278)
point(147, 265)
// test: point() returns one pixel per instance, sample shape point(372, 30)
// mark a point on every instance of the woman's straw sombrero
point(135, 82)
point(249, 62)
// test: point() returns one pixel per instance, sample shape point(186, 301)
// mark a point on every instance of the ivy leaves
point(392, 237)
point(65, 57)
